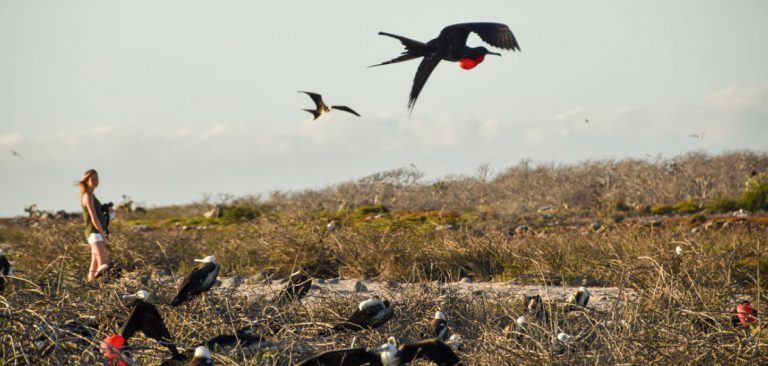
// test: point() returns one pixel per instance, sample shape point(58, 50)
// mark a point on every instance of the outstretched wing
point(433, 350)
point(344, 357)
point(345, 109)
point(317, 98)
point(495, 34)
point(422, 74)
point(314, 113)
point(147, 319)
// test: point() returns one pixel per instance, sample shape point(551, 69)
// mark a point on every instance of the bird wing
point(495, 34)
point(440, 329)
point(432, 350)
point(314, 113)
point(317, 98)
point(343, 357)
point(422, 74)
point(147, 319)
point(193, 281)
point(345, 109)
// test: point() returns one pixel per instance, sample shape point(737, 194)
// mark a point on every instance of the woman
point(93, 216)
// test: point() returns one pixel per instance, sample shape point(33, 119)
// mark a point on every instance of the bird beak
point(199, 260)
point(494, 53)
point(131, 296)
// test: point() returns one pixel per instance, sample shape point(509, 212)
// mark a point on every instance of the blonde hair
point(83, 183)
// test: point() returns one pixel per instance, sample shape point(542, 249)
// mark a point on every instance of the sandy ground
point(601, 298)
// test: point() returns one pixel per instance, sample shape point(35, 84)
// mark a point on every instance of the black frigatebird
point(579, 298)
point(389, 354)
point(370, 314)
point(201, 279)
point(145, 318)
point(440, 327)
point(297, 286)
point(450, 45)
point(5, 270)
point(321, 108)
point(243, 338)
point(202, 357)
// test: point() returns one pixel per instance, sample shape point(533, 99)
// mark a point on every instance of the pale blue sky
point(173, 99)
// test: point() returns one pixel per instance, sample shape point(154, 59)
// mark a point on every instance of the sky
point(172, 101)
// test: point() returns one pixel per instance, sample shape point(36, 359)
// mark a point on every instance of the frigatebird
point(321, 108)
point(297, 286)
point(146, 319)
point(534, 306)
point(440, 326)
point(201, 279)
point(370, 314)
point(579, 298)
point(388, 354)
point(5, 270)
point(202, 357)
point(450, 45)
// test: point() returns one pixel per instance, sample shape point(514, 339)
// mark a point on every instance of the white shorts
point(94, 238)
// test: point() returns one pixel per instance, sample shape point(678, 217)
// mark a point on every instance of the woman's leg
point(94, 263)
point(100, 249)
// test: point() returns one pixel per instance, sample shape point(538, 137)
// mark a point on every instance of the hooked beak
point(494, 53)
point(130, 296)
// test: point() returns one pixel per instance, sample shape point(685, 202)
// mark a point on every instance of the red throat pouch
point(470, 63)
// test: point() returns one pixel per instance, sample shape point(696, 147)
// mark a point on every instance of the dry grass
point(441, 231)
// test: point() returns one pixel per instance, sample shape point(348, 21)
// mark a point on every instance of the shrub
point(662, 210)
point(240, 213)
point(687, 207)
point(723, 204)
point(755, 196)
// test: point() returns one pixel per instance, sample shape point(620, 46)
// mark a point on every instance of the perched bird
point(580, 298)
point(321, 108)
point(388, 354)
point(297, 286)
point(746, 315)
point(5, 270)
point(243, 338)
point(450, 45)
point(201, 279)
point(534, 307)
point(370, 314)
point(146, 319)
point(202, 357)
point(440, 327)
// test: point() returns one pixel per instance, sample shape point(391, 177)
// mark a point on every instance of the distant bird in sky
point(15, 153)
point(699, 135)
point(321, 108)
point(146, 319)
point(370, 314)
point(450, 45)
point(201, 279)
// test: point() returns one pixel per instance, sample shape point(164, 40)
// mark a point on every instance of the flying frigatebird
point(450, 45)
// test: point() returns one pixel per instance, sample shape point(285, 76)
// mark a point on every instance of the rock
point(259, 278)
point(466, 280)
point(215, 212)
point(333, 281)
point(232, 282)
point(359, 287)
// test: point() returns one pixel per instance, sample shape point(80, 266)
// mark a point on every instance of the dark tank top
point(89, 228)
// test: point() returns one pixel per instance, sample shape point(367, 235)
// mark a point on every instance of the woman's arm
point(88, 198)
